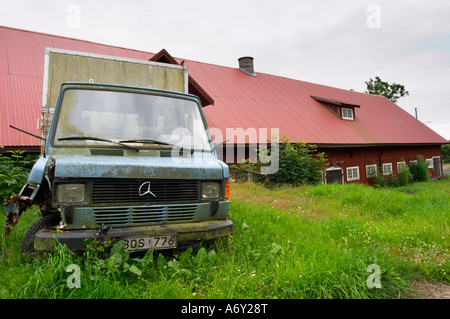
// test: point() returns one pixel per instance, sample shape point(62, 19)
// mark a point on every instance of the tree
point(392, 91)
point(299, 163)
point(446, 153)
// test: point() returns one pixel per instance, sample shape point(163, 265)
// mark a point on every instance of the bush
point(392, 181)
point(404, 176)
point(14, 170)
point(445, 153)
point(246, 171)
point(299, 163)
point(419, 170)
point(408, 174)
point(376, 180)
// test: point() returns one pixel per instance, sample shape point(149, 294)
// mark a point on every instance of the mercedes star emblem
point(144, 190)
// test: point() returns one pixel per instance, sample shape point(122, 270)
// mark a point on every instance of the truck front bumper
point(186, 234)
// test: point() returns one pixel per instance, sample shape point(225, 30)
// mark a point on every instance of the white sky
point(340, 43)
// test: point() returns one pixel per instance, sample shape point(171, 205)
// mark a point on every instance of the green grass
point(304, 242)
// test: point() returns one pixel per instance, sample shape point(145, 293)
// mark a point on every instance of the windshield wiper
point(91, 138)
point(150, 141)
point(146, 141)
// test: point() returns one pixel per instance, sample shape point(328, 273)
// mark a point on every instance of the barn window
point(371, 170)
point(400, 166)
point(353, 173)
point(387, 168)
point(347, 113)
point(342, 109)
point(334, 175)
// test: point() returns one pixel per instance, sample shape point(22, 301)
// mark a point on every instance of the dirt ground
point(431, 290)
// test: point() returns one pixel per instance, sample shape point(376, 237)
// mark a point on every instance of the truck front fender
point(39, 170)
point(37, 191)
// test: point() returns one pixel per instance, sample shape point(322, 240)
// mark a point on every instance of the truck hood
point(139, 167)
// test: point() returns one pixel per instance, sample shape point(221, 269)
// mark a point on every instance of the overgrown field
point(334, 241)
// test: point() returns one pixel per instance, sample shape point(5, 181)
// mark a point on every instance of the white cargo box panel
point(63, 66)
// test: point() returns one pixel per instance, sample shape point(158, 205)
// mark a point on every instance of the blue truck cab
point(127, 163)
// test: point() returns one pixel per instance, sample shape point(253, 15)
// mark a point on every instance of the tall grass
point(303, 242)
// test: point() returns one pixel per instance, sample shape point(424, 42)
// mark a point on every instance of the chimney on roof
point(246, 65)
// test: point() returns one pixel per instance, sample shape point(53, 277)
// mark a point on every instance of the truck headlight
point(210, 190)
point(70, 193)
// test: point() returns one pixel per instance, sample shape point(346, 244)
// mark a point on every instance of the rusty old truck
point(127, 156)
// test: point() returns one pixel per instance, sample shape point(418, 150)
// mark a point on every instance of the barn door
point(437, 167)
point(334, 176)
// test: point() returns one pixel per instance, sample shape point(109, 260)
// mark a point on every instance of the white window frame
point(389, 171)
point(430, 162)
point(371, 166)
point(345, 116)
point(400, 166)
point(351, 170)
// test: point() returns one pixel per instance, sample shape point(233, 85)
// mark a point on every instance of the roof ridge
point(175, 57)
point(278, 76)
point(113, 46)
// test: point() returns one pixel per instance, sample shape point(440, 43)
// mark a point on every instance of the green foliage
point(392, 91)
point(419, 170)
point(408, 174)
point(246, 171)
point(392, 181)
point(376, 180)
point(99, 247)
point(14, 170)
point(404, 176)
point(446, 153)
point(299, 164)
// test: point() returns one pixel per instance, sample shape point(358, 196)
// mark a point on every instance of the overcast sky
point(340, 43)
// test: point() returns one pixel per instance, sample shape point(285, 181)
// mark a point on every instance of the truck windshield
point(99, 117)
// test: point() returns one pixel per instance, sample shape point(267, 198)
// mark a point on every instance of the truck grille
point(121, 191)
point(144, 215)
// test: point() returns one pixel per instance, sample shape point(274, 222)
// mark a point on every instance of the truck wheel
point(48, 221)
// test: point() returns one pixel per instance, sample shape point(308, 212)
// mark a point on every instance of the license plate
point(145, 243)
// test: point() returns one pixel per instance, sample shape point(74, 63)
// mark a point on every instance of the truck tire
point(48, 221)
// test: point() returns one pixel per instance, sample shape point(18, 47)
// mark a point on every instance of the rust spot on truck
point(39, 195)
point(14, 207)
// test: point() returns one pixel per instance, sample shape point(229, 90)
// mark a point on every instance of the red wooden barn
point(358, 132)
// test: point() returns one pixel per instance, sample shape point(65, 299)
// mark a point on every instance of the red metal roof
point(240, 100)
point(276, 102)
